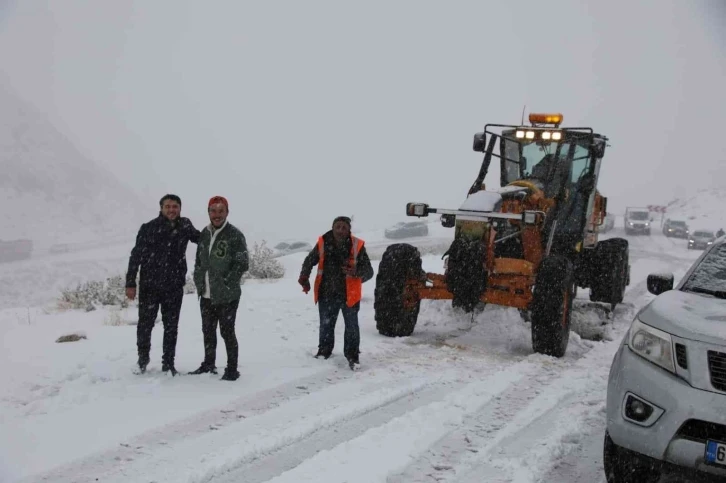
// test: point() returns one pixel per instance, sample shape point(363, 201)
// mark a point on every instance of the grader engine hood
point(491, 200)
point(482, 201)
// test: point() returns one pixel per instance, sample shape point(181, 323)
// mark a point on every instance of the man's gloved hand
point(304, 282)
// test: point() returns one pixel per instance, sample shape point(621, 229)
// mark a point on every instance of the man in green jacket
point(221, 261)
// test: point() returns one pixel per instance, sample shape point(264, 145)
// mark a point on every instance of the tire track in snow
point(502, 421)
point(569, 410)
point(566, 410)
point(380, 451)
point(536, 402)
point(272, 464)
point(288, 437)
point(100, 466)
point(543, 430)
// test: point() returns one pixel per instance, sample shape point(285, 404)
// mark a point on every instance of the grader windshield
point(554, 164)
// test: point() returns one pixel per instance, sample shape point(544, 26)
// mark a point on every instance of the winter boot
point(204, 369)
point(230, 375)
point(352, 361)
point(324, 354)
point(143, 362)
point(166, 367)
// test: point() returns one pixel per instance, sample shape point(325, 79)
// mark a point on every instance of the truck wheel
point(552, 306)
point(396, 303)
point(465, 273)
point(611, 272)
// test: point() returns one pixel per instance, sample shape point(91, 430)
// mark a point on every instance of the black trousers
point(329, 310)
point(224, 315)
point(149, 303)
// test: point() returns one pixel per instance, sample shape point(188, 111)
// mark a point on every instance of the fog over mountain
point(49, 191)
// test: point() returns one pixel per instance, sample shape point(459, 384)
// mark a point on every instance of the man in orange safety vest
point(343, 267)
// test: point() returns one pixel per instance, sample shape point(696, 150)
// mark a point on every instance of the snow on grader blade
point(527, 244)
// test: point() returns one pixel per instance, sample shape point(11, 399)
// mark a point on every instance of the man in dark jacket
point(160, 251)
point(221, 261)
point(343, 266)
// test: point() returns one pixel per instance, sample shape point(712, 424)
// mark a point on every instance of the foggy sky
point(301, 111)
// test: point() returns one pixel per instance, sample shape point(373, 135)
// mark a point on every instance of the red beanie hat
point(218, 199)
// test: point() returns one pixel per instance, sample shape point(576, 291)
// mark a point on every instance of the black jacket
point(160, 251)
point(333, 284)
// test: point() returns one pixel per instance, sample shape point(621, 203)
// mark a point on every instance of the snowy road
point(461, 400)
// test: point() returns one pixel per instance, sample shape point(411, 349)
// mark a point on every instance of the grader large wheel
point(396, 303)
point(465, 275)
point(610, 272)
point(552, 306)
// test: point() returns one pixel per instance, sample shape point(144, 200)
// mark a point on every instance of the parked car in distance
point(407, 229)
point(666, 391)
point(14, 250)
point(285, 248)
point(675, 228)
point(701, 239)
point(608, 223)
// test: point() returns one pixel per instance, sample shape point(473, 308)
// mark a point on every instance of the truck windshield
point(710, 274)
point(638, 215)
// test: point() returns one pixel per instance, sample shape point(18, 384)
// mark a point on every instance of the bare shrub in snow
point(263, 264)
point(86, 296)
point(111, 292)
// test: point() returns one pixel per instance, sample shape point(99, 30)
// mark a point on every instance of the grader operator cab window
point(539, 160)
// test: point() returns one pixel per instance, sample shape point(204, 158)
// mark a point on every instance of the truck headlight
point(652, 344)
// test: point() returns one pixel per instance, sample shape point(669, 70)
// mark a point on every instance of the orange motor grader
point(528, 244)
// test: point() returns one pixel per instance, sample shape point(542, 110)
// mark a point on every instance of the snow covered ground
point(462, 400)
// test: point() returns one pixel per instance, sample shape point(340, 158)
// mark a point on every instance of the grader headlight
point(538, 134)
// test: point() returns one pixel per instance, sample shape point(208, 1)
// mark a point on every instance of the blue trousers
point(329, 310)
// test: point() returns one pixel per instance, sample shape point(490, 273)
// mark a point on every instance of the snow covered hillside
point(702, 210)
point(51, 193)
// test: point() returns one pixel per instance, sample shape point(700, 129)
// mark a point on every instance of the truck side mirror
point(479, 142)
point(659, 283)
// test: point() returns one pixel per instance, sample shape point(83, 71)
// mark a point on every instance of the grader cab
point(528, 244)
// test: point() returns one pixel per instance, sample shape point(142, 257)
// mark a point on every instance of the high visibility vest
point(353, 285)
